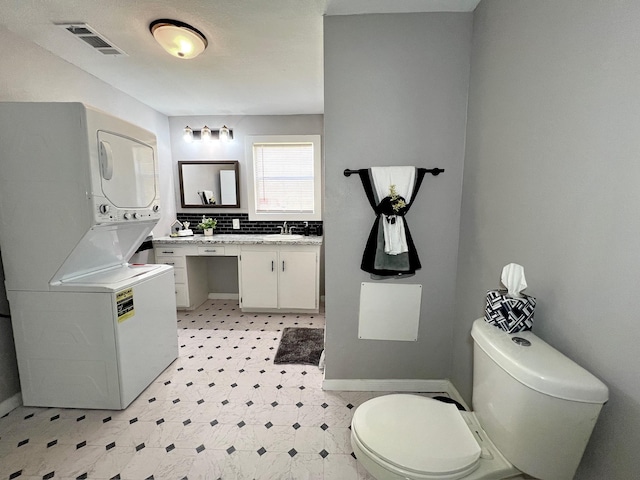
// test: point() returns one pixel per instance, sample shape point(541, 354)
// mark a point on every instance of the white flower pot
point(208, 231)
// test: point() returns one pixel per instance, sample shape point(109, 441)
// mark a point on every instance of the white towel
point(395, 239)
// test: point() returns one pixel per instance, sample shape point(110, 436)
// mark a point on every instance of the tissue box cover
point(509, 313)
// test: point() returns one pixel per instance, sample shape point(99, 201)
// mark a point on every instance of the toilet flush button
point(523, 342)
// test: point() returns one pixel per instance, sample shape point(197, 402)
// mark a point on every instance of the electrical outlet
point(236, 223)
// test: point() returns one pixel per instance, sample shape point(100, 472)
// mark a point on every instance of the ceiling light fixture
point(178, 38)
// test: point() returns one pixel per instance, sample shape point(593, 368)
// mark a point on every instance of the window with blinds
point(286, 177)
point(283, 174)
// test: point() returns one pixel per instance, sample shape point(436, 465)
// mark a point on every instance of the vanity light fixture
point(188, 134)
point(223, 133)
point(206, 134)
point(178, 38)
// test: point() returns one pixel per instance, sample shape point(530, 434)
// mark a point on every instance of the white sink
point(278, 236)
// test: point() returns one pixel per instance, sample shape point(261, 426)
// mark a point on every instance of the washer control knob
point(136, 215)
point(103, 208)
point(127, 216)
point(156, 208)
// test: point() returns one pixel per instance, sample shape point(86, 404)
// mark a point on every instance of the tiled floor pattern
point(221, 410)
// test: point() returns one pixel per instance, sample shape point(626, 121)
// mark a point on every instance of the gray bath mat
point(300, 346)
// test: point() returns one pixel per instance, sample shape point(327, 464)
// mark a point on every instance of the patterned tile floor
point(223, 409)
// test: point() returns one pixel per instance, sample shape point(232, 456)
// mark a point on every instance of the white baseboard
point(10, 403)
point(386, 385)
point(223, 296)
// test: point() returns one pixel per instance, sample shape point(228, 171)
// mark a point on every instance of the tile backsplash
point(246, 226)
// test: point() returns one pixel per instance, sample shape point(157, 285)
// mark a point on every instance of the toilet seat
point(415, 435)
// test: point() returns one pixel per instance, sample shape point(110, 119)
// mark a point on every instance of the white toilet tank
point(537, 406)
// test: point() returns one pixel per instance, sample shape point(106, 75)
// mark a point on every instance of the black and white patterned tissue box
point(511, 314)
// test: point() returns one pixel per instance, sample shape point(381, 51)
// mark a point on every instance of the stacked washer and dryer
point(78, 194)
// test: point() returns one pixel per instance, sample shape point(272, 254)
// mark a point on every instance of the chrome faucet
point(283, 228)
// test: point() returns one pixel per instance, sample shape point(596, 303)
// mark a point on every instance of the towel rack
point(433, 171)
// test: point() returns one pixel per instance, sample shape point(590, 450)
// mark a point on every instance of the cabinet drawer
point(168, 251)
point(182, 299)
point(176, 262)
point(211, 251)
point(180, 275)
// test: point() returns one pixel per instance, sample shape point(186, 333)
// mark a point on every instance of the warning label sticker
point(124, 301)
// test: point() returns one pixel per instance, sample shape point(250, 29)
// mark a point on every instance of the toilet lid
point(416, 433)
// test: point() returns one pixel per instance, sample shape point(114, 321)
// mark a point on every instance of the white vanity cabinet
point(189, 273)
point(273, 275)
point(279, 278)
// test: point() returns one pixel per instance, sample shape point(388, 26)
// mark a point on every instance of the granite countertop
point(237, 239)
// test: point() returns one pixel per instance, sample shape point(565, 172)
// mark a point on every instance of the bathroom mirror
point(209, 184)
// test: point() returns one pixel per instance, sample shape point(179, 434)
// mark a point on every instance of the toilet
point(533, 412)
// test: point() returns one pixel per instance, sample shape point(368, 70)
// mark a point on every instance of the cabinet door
point(259, 279)
point(297, 279)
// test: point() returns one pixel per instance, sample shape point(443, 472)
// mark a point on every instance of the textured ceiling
point(264, 56)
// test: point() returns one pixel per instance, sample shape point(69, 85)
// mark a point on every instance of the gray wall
point(395, 94)
point(31, 73)
point(551, 182)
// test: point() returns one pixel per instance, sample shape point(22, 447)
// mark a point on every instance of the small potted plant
point(208, 225)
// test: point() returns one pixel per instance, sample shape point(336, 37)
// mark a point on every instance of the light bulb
point(223, 134)
point(188, 135)
point(205, 134)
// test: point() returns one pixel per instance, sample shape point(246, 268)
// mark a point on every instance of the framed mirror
point(209, 184)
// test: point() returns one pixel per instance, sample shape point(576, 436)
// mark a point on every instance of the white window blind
point(284, 177)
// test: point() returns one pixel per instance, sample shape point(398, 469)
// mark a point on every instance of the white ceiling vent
point(88, 35)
